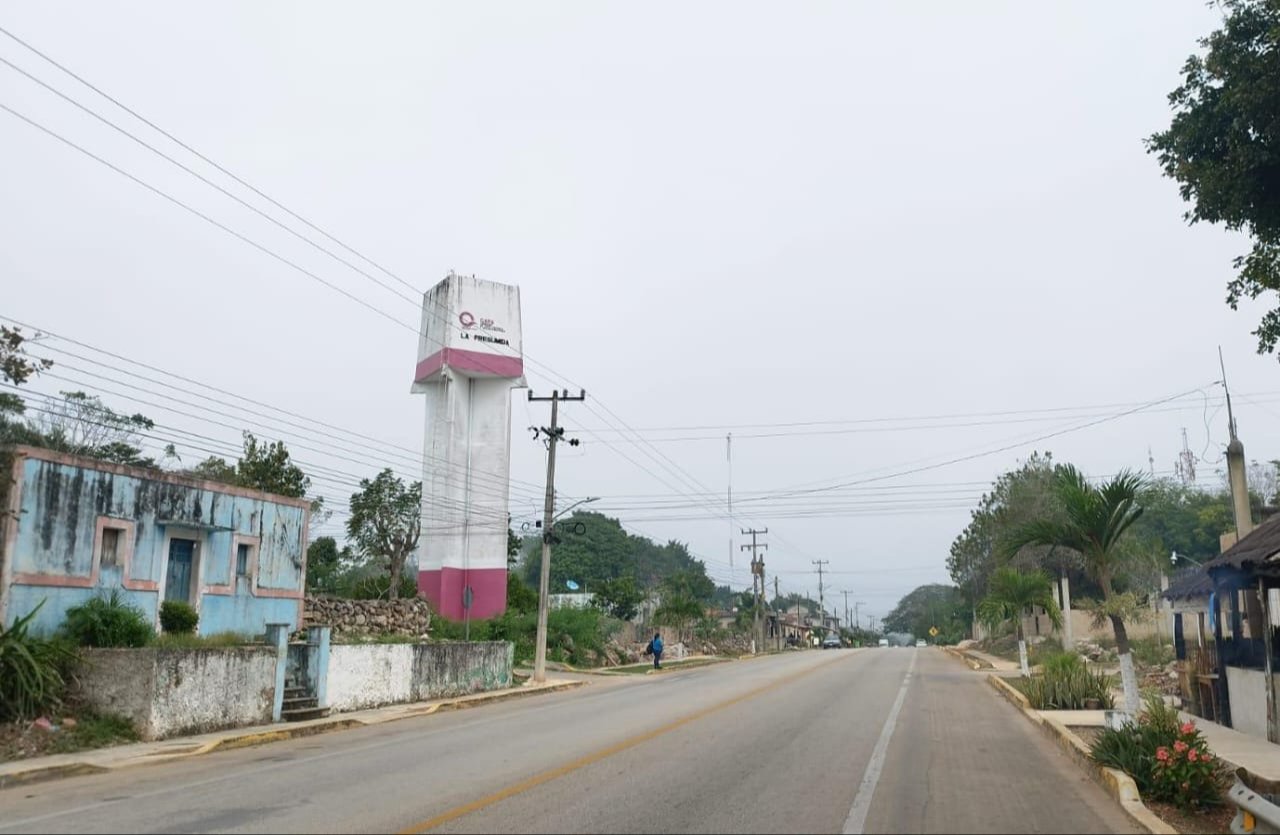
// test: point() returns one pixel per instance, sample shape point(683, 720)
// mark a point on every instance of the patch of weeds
point(219, 640)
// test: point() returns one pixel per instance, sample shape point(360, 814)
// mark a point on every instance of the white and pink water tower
point(469, 360)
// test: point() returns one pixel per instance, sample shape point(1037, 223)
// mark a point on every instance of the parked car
point(831, 642)
point(921, 643)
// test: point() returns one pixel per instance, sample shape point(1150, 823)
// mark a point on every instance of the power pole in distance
point(846, 594)
point(777, 617)
point(552, 435)
point(822, 609)
point(757, 578)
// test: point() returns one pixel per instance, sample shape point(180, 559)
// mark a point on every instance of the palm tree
point(1096, 521)
point(1012, 594)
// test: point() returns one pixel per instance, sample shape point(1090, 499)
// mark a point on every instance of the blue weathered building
point(77, 527)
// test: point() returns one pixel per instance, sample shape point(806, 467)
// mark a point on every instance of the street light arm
point(575, 504)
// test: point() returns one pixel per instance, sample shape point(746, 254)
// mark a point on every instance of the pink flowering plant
point(1186, 772)
point(1166, 757)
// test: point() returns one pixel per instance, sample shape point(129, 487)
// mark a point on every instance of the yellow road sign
point(933, 631)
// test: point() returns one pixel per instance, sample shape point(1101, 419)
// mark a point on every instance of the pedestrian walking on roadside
point(655, 647)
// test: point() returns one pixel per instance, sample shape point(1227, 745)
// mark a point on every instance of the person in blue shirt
point(655, 647)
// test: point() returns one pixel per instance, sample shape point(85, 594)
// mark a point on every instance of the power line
point(1006, 448)
point(206, 159)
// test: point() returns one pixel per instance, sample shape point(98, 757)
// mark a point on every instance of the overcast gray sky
point(718, 214)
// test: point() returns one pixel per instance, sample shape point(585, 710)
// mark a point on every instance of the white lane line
point(857, 820)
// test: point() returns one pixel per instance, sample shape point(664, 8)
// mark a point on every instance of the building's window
point(242, 559)
point(109, 555)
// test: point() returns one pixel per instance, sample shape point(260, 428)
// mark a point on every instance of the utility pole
point(777, 617)
point(728, 454)
point(757, 578)
point(822, 608)
point(857, 621)
point(846, 594)
point(552, 435)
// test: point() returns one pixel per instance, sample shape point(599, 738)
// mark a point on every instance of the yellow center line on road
point(596, 756)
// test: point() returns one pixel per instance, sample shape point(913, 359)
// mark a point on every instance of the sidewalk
point(142, 753)
point(1259, 757)
point(996, 663)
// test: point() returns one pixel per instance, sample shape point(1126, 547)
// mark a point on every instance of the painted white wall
point(369, 675)
point(1248, 693)
point(178, 691)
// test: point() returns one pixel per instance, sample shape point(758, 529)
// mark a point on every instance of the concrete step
point(295, 692)
point(303, 713)
point(299, 702)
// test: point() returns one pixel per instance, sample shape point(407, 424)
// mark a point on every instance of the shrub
point(178, 617)
point(31, 670)
point(1185, 772)
point(571, 633)
point(1067, 684)
point(1168, 760)
point(1150, 652)
point(94, 731)
point(107, 622)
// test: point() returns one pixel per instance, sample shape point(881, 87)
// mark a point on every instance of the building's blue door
point(178, 582)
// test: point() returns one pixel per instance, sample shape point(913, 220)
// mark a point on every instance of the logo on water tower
point(467, 319)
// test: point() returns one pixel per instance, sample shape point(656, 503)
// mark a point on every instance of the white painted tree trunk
point(1129, 680)
point(1022, 657)
point(1069, 640)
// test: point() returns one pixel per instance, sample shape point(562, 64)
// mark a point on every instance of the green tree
point(269, 468)
point(513, 548)
point(1223, 145)
point(214, 469)
point(620, 597)
point(1016, 498)
point(931, 605)
point(685, 595)
point(1097, 519)
point(1178, 517)
point(521, 598)
point(592, 548)
point(1013, 594)
point(16, 366)
point(385, 521)
point(325, 565)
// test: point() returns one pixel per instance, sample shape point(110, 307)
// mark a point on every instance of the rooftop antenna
point(1185, 468)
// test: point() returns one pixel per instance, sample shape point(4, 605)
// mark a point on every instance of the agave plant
point(30, 670)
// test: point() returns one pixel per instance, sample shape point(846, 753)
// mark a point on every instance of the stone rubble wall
point(411, 616)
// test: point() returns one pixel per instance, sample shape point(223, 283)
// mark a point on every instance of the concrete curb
point(974, 663)
point(35, 772)
point(1116, 783)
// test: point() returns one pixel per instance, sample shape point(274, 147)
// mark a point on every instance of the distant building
point(78, 527)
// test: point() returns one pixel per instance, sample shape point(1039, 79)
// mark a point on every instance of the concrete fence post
point(318, 663)
point(278, 636)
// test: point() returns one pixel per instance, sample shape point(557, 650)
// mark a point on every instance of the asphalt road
point(878, 740)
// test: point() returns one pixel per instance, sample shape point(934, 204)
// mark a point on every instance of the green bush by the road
point(1167, 759)
point(572, 634)
point(107, 622)
point(178, 617)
